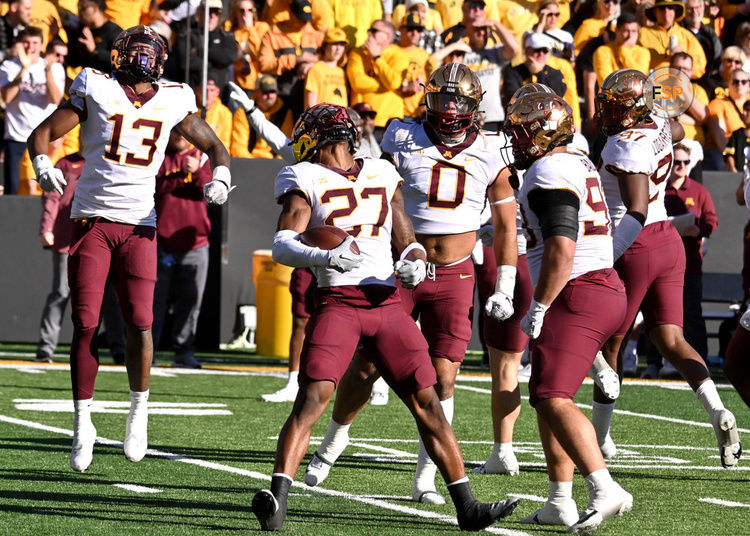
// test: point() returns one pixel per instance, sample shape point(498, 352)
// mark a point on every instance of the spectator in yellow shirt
point(248, 31)
point(430, 17)
point(667, 37)
point(249, 128)
point(624, 52)
point(416, 74)
point(694, 119)
point(376, 71)
point(218, 116)
point(724, 115)
point(606, 12)
point(326, 80)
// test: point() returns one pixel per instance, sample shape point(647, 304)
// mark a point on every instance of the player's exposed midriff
point(447, 249)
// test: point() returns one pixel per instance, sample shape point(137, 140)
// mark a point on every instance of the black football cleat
point(479, 515)
point(268, 511)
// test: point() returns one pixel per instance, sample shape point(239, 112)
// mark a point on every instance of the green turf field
point(212, 442)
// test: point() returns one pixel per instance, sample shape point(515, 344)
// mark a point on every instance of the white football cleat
point(317, 471)
point(428, 496)
point(82, 453)
point(730, 447)
point(605, 377)
point(608, 448)
point(499, 465)
point(379, 393)
point(136, 435)
point(286, 394)
point(616, 501)
point(554, 514)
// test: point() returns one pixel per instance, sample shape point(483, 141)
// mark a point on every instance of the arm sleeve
point(276, 139)
point(557, 212)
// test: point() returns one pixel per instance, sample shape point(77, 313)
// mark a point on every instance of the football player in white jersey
point(578, 302)
point(450, 170)
point(357, 302)
point(125, 119)
point(648, 251)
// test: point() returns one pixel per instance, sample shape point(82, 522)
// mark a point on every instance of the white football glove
point(745, 320)
point(217, 191)
point(342, 259)
point(486, 234)
point(410, 273)
point(531, 324)
point(500, 305)
point(50, 178)
point(240, 99)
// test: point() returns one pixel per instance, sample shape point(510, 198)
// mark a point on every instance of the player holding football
point(357, 301)
point(578, 302)
point(450, 169)
point(125, 118)
point(649, 254)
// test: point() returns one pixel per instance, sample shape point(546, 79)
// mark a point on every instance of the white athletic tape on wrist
point(410, 247)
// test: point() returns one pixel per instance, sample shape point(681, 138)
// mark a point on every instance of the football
point(326, 237)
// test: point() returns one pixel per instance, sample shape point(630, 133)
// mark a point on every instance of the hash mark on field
point(116, 406)
point(722, 502)
point(266, 478)
point(137, 489)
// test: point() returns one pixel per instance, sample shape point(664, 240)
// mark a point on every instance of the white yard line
point(266, 478)
point(618, 411)
point(137, 489)
point(722, 502)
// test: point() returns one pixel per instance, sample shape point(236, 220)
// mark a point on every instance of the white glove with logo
point(500, 305)
point(217, 191)
point(50, 178)
point(410, 273)
point(240, 99)
point(486, 234)
point(531, 324)
point(342, 259)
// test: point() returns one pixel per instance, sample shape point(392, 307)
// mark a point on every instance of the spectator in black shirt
point(12, 23)
point(693, 21)
point(533, 69)
point(91, 44)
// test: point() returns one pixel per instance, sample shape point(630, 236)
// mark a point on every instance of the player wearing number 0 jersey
point(450, 169)
point(357, 303)
point(648, 251)
point(578, 302)
point(126, 119)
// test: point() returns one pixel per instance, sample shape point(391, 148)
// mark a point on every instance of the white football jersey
point(574, 172)
point(445, 188)
point(646, 150)
point(123, 143)
point(359, 204)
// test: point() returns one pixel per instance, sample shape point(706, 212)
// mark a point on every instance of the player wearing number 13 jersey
point(126, 119)
point(648, 251)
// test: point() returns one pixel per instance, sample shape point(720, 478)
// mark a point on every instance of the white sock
point(293, 378)
point(709, 397)
point(334, 442)
point(560, 492)
point(138, 400)
point(599, 480)
point(502, 449)
point(82, 413)
point(601, 418)
point(426, 468)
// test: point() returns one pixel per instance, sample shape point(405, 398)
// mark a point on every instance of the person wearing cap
point(326, 79)
point(248, 31)
point(376, 72)
point(222, 48)
point(218, 116)
point(472, 12)
point(91, 44)
point(368, 144)
point(604, 17)
point(549, 13)
point(533, 69)
point(416, 74)
point(487, 59)
point(288, 50)
point(430, 17)
point(262, 125)
point(276, 11)
point(667, 37)
point(624, 52)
